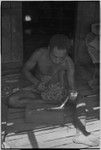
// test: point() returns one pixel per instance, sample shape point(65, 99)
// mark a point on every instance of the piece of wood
point(14, 110)
point(12, 42)
point(16, 115)
point(56, 137)
point(26, 139)
point(90, 13)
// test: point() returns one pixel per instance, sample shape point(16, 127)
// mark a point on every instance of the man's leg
point(26, 98)
point(78, 114)
point(78, 110)
point(22, 98)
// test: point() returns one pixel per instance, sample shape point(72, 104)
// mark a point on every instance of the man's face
point(58, 55)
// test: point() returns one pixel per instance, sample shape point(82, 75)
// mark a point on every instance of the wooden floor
point(49, 137)
point(29, 135)
point(20, 134)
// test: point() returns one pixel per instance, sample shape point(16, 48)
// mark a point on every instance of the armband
point(73, 93)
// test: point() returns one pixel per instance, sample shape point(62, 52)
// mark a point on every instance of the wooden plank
point(63, 132)
point(54, 129)
point(17, 49)
point(66, 130)
point(20, 126)
point(72, 145)
point(16, 115)
point(18, 143)
point(26, 139)
point(6, 36)
point(54, 143)
point(90, 13)
point(46, 131)
point(15, 137)
point(14, 110)
point(12, 44)
point(54, 137)
point(93, 127)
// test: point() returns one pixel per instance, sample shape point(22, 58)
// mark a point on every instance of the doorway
point(43, 19)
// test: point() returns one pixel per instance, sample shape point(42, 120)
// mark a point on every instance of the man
point(46, 68)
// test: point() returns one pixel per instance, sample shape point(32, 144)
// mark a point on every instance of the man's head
point(59, 47)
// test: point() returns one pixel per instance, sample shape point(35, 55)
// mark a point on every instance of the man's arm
point(30, 64)
point(70, 73)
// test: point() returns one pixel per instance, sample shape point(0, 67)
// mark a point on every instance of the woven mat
point(9, 84)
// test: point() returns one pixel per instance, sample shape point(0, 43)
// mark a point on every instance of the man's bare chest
point(46, 66)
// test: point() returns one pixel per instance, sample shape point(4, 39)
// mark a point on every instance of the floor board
point(58, 137)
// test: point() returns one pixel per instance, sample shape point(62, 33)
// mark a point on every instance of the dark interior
point(47, 19)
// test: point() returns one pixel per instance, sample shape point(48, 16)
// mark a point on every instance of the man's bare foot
point(90, 140)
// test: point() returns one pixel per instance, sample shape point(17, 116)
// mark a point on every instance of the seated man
point(46, 70)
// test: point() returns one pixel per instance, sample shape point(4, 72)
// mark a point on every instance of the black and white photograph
point(50, 74)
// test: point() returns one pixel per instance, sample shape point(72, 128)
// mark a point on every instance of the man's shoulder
point(40, 51)
point(36, 56)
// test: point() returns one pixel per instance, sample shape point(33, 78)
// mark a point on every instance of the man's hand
point(73, 95)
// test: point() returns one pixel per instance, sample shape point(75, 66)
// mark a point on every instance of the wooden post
point(87, 14)
point(12, 41)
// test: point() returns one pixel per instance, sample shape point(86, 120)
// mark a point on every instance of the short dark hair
point(60, 41)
